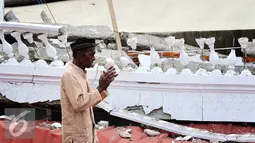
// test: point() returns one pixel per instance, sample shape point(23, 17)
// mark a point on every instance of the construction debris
point(124, 133)
point(150, 132)
point(102, 124)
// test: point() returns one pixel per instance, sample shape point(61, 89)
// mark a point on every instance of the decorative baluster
point(28, 37)
point(63, 40)
point(170, 41)
point(51, 51)
point(201, 44)
point(244, 42)
point(213, 57)
point(7, 48)
point(22, 48)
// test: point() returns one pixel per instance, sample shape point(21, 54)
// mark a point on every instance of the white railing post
point(2, 10)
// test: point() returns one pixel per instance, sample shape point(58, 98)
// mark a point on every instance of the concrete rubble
point(187, 133)
point(104, 33)
point(144, 42)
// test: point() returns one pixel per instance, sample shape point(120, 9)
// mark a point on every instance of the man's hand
point(106, 79)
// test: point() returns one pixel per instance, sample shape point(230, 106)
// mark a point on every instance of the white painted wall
point(184, 97)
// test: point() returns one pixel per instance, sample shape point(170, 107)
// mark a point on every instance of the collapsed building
point(186, 87)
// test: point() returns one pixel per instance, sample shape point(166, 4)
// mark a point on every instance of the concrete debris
point(55, 126)
point(3, 117)
point(147, 41)
point(113, 46)
point(102, 124)
point(61, 51)
point(45, 125)
point(113, 54)
point(144, 41)
point(11, 17)
point(150, 132)
point(250, 50)
point(88, 31)
point(186, 138)
point(124, 133)
point(45, 18)
point(157, 113)
point(180, 129)
point(73, 32)
point(52, 126)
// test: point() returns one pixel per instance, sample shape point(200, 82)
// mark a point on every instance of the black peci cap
point(82, 44)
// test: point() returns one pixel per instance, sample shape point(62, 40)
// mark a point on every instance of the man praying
point(78, 97)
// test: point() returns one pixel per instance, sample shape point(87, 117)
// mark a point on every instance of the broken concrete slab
point(157, 113)
point(113, 54)
point(73, 32)
point(10, 16)
point(180, 129)
point(88, 31)
point(145, 41)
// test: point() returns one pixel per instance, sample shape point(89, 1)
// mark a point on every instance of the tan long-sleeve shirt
point(77, 101)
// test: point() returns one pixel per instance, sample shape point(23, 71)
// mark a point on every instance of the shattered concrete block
point(89, 31)
point(149, 40)
point(157, 113)
point(11, 17)
point(113, 54)
point(193, 66)
point(151, 133)
point(144, 41)
point(103, 124)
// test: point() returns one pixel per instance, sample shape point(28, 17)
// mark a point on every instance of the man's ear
point(79, 54)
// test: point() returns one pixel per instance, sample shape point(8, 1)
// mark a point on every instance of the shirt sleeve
point(103, 94)
point(79, 100)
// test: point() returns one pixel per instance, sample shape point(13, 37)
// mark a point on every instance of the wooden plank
point(114, 25)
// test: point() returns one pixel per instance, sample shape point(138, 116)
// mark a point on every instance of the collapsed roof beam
point(33, 28)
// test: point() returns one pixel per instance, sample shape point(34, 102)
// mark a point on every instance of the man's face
point(87, 57)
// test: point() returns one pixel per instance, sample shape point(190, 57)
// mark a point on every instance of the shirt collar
point(77, 69)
